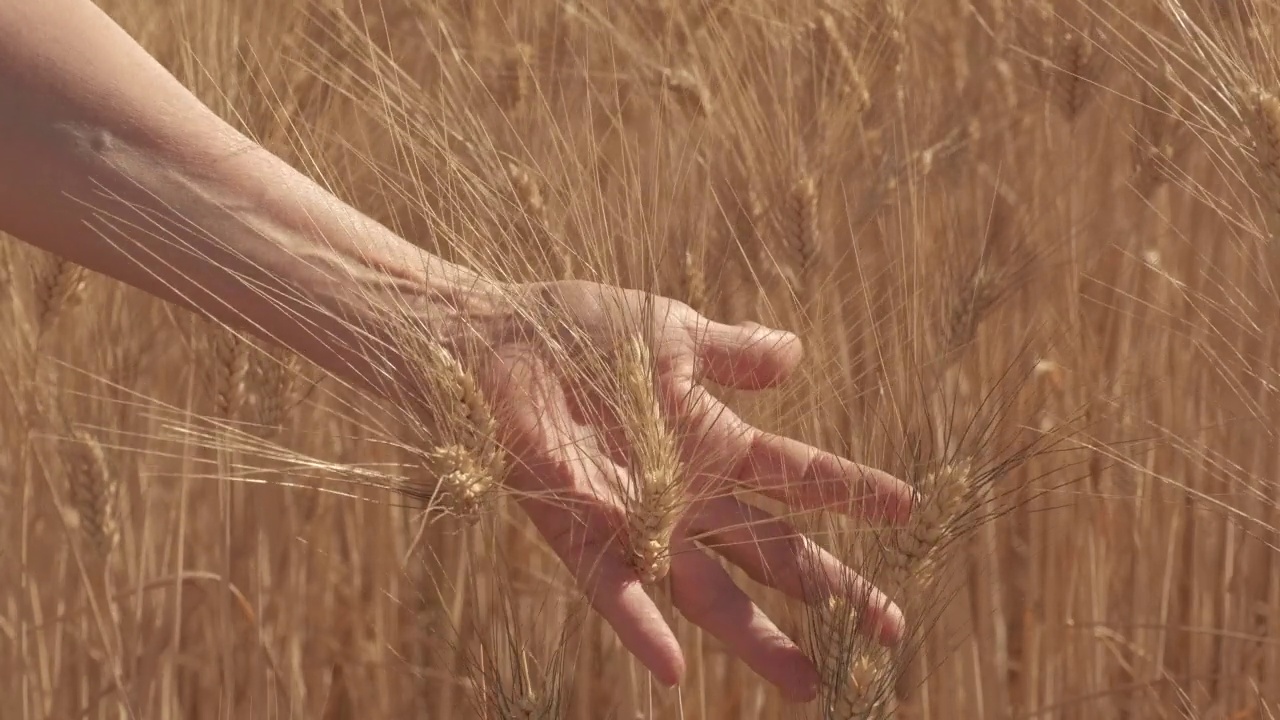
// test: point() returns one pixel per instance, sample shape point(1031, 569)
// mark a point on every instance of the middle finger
point(707, 596)
point(779, 467)
point(774, 553)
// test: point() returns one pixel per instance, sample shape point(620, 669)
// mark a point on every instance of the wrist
point(351, 288)
point(375, 316)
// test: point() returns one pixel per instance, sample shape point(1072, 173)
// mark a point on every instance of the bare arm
point(107, 160)
point(86, 115)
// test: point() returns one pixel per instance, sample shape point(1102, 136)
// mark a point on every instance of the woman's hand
point(127, 173)
point(557, 417)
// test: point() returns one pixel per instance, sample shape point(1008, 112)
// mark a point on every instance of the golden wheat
point(887, 160)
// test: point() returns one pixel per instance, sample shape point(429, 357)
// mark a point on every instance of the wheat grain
point(278, 380)
point(455, 433)
point(230, 369)
point(658, 500)
point(93, 492)
point(1263, 121)
point(688, 92)
point(855, 678)
point(911, 552)
point(59, 286)
point(835, 64)
point(803, 236)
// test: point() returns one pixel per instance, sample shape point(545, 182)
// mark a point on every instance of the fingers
point(707, 596)
point(774, 553)
point(560, 483)
point(780, 467)
point(583, 537)
point(807, 477)
point(745, 357)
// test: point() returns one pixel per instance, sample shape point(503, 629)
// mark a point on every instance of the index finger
point(785, 469)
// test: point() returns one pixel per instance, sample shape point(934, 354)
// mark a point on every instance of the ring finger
point(707, 596)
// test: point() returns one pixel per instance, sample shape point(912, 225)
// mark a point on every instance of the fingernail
point(893, 625)
point(806, 686)
point(672, 676)
point(776, 336)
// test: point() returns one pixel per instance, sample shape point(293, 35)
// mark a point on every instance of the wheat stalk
point(835, 64)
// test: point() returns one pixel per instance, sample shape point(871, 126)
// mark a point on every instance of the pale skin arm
point(93, 129)
point(99, 131)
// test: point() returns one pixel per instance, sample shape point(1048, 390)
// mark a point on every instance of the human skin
point(108, 161)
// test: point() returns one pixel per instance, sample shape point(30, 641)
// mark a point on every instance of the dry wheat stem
point(834, 65)
point(421, 106)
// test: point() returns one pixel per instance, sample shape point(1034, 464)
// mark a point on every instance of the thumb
point(747, 356)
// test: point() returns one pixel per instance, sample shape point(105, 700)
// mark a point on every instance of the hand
point(568, 466)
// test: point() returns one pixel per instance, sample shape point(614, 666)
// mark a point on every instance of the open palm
point(569, 462)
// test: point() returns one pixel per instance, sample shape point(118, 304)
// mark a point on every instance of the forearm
point(122, 170)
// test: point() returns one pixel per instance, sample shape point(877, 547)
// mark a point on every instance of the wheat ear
point(461, 455)
point(536, 224)
point(278, 382)
point(855, 676)
point(93, 492)
point(231, 363)
point(654, 464)
point(1157, 138)
point(517, 81)
point(1262, 116)
point(804, 236)
point(1076, 73)
point(911, 551)
point(59, 287)
point(688, 92)
point(834, 63)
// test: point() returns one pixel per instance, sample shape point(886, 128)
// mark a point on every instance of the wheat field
point(1028, 247)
